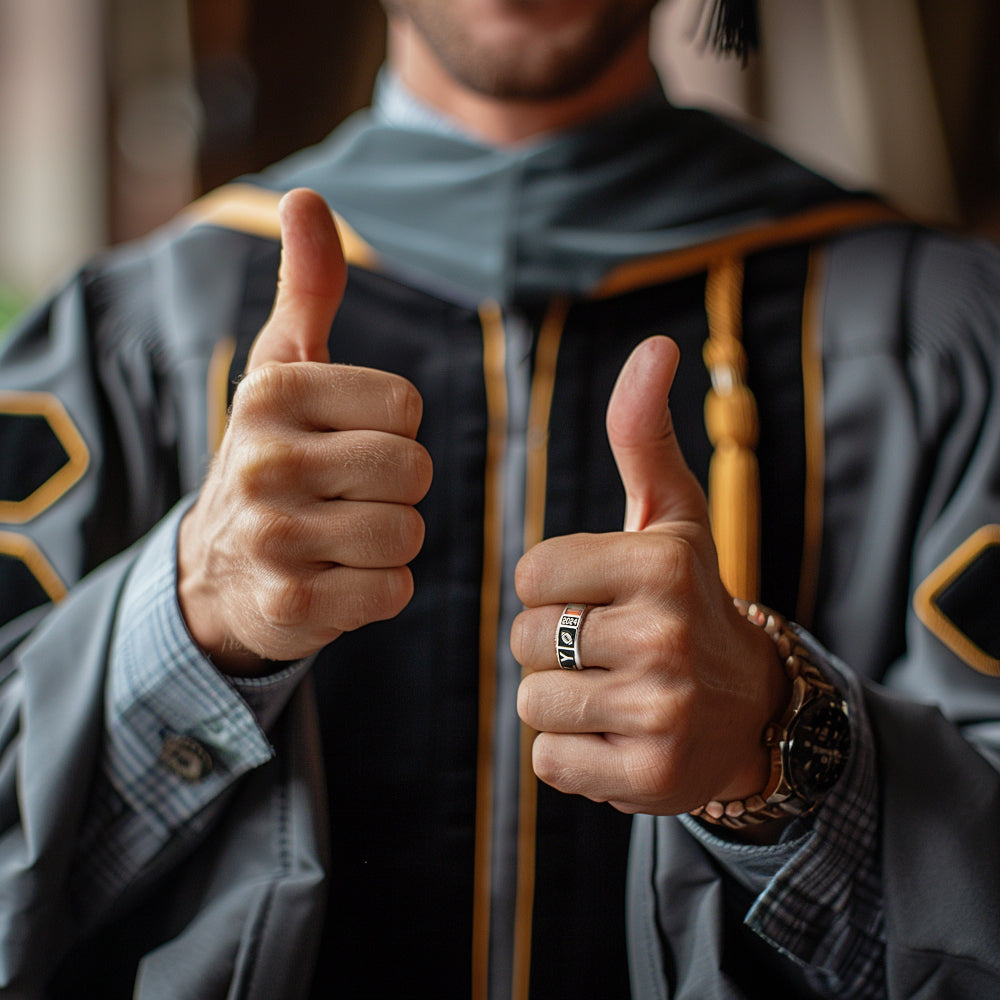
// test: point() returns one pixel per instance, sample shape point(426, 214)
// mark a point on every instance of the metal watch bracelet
point(779, 800)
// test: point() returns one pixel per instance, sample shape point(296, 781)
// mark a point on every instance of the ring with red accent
point(568, 636)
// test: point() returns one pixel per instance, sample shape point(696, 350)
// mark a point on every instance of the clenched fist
point(680, 686)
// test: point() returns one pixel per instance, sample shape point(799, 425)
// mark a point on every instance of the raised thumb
point(310, 283)
point(659, 486)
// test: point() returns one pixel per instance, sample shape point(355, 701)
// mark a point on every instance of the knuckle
point(276, 535)
point(656, 643)
point(261, 464)
point(519, 645)
point(353, 611)
point(253, 526)
point(678, 645)
point(393, 594)
point(675, 560)
point(400, 467)
point(658, 702)
point(409, 535)
point(404, 405)
point(386, 594)
point(536, 705)
point(272, 465)
point(546, 762)
point(656, 647)
point(526, 578)
point(260, 388)
point(526, 703)
point(247, 476)
point(388, 535)
point(287, 602)
point(657, 714)
point(417, 471)
point(662, 647)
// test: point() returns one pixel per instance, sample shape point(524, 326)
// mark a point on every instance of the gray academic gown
point(246, 880)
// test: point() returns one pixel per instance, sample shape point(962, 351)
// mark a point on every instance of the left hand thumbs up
point(674, 716)
point(659, 486)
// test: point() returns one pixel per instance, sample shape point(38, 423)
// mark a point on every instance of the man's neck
point(509, 121)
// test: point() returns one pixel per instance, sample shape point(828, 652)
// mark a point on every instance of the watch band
point(780, 799)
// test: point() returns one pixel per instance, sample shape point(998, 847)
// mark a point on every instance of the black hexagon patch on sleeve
point(960, 600)
point(33, 455)
point(27, 579)
point(19, 590)
point(43, 454)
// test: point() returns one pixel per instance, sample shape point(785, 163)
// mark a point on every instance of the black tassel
point(731, 26)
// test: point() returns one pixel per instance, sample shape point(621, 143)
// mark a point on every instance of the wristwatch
point(809, 744)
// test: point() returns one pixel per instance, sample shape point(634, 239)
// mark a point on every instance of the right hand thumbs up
point(310, 283)
point(306, 521)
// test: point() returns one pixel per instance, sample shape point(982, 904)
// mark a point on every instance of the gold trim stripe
point(815, 438)
point(44, 404)
point(926, 595)
point(495, 377)
point(219, 365)
point(539, 411)
point(824, 220)
point(254, 210)
point(23, 548)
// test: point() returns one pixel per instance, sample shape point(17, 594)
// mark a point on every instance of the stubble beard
point(545, 65)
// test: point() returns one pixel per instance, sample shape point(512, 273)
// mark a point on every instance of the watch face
point(817, 747)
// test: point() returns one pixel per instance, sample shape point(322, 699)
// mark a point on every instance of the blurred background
point(114, 114)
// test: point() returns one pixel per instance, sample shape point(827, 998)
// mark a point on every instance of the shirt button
point(186, 757)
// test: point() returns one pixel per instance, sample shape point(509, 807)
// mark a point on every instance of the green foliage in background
point(11, 304)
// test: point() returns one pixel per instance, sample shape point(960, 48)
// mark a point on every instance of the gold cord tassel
point(731, 422)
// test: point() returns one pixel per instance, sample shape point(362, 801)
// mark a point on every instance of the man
point(293, 682)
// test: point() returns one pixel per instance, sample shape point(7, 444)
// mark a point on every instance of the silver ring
point(568, 636)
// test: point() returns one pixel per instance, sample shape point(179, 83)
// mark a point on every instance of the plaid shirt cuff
point(819, 891)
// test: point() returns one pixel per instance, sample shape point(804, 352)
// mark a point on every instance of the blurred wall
point(154, 117)
point(273, 77)
point(114, 114)
point(52, 126)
